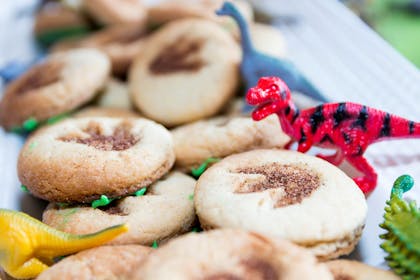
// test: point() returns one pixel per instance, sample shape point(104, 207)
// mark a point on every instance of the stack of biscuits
point(127, 113)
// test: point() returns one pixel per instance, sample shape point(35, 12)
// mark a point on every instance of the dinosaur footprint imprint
point(295, 182)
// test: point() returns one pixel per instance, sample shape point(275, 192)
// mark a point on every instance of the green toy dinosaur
point(402, 237)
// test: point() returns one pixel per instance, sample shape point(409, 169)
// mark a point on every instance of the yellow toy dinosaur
point(27, 246)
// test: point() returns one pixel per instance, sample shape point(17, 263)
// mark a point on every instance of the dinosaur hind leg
point(30, 269)
point(367, 182)
point(335, 159)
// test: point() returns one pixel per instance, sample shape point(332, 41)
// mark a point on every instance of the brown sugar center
point(121, 138)
point(181, 56)
point(39, 76)
point(296, 182)
point(254, 268)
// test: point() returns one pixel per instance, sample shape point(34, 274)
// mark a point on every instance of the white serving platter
point(338, 52)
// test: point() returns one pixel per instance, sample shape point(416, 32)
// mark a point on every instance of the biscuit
point(165, 210)
point(187, 70)
point(62, 83)
point(235, 107)
point(114, 95)
point(268, 39)
point(352, 270)
point(105, 112)
point(78, 160)
point(104, 262)
point(170, 10)
point(230, 254)
point(55, 21)
point(109, 12)
point(223, 136)
point(288, 194)
point(121, 43)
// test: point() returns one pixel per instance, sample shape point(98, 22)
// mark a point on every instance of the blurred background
point(397, 21)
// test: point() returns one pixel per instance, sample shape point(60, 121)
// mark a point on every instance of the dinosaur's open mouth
point(264, 110)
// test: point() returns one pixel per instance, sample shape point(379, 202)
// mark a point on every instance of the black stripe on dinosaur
point(411, 125)
point(386, 126)
point(297, 113)
point(317, 118)
point(302, 136)
point(327, 138)
point(361, 119)
point(340, 114)
point(287, 110)
point(359, 152)
point(347, 138)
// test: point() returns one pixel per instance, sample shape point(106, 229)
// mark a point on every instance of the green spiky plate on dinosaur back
point(402, 237)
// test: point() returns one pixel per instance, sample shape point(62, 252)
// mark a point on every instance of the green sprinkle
point(155, 244)
point(24, 188)
point(196, 172)
point(33, 145)
point(49, 37)
point(57, 118)
point(103, 201)
point(140, 192)
point(191, 197)
point(196, 229)
point(62, 204)
point(30, 124)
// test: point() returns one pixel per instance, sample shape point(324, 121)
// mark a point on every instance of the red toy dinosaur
point(347, 127)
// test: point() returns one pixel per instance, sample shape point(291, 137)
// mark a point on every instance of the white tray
point(338, 52)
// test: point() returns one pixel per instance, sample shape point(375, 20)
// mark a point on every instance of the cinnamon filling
point(39, 76)
point(296, 182)
point(181, 56)
point(259, 269)
point(253, 268)
point(121, 138)
point(222, 276)
point(342, 277)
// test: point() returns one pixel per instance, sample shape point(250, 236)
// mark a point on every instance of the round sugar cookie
point(223, 136)
point(104, 262)
point(55, 21)
point(169, 10)
point(165, 210)
point(187, 71)
point(288, 194)
point(268, 39)
point(121, 43)
point(110, 12)
point(353, 270)
point(232, 255)
point(63, 82)
point(78, 160)
point(93, 111)
point(114, 95)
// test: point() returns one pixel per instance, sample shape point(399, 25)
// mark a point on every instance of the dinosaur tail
point(397, 127)
point(69, 243)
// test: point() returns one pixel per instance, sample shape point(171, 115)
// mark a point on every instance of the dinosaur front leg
point(335, 159)
point(30, 269)
point(367, 182)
